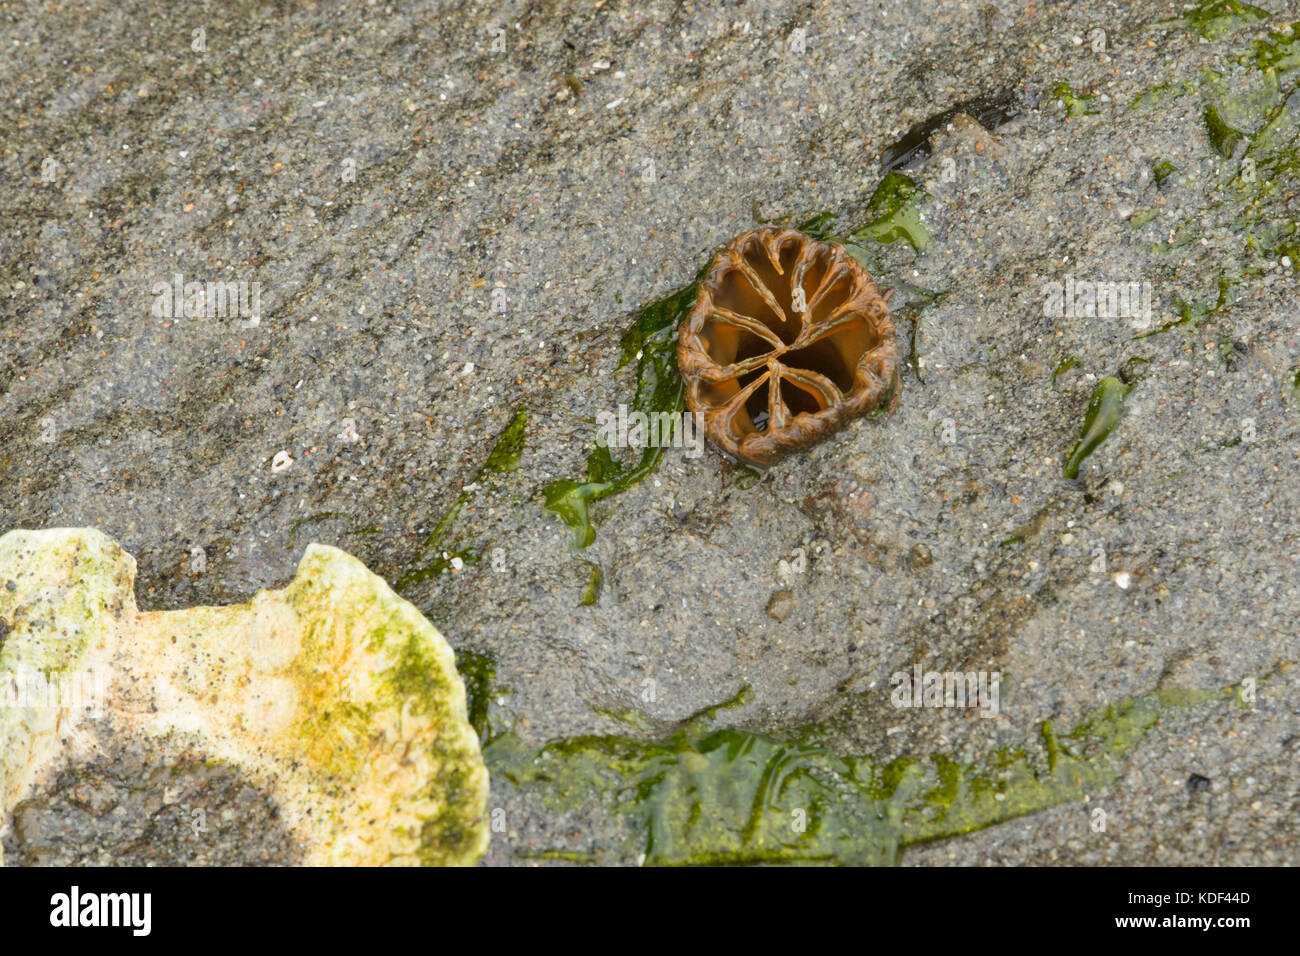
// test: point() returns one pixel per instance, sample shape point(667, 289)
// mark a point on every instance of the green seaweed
point(1162, 171)
point(820, 226)
point(1192, 313)
point(1076, 104)
point(1158, 94)
point(708, 795)
point(435, 554)
point(1223, 137)
point(1274, 52)
point(508, 449)
point(1142, 217)
point(1214, 19)
point(895, 208)
point(1066, 364)
point(1257, 104)
point(1104, 411)
point(595, 579)
point(478, 672)
point(1264, 113)
point(651, 342)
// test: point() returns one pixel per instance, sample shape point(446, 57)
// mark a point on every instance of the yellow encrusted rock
point(334, 694)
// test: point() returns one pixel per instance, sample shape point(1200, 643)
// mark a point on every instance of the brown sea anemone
point(787, 340)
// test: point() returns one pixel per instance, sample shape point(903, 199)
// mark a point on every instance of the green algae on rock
point(1223, 137)
point(708, 795)
point(1076, 104)
point(1104, 410)
point(332, 694)
point(895, 205)
point(436, 555)
point(651, 342)
point(1214, 19)
point(1258, 104)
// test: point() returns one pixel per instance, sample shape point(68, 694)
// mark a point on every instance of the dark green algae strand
point(436, 554)
point(1223, 138)
point(651, 342)
point(595, 580)
point(1104, 411)
point(1065, 365)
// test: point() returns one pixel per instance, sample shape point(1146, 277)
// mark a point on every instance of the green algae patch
point(1064, 366)
point(1277, 51)
point(484, 697)
point(1162, 171)
point(1250, 113)
point(708, 795)
point(595, 580)
point(1160, 93)
point(1142, 217)
point(1075, 104)
point(1263, 111)
point(478, 672)
point(1104, 411)
point(1215, 19)
point(1223, 138)
point(895, 208)
point(1191, 313)
point(437, 554)
point(333, 695)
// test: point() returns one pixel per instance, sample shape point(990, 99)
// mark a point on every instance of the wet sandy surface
point(381, 171)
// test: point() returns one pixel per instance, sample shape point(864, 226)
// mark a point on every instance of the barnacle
point(787, 340)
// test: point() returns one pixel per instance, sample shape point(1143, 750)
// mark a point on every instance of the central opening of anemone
point(756, 404)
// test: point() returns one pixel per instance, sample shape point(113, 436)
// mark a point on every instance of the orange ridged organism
point(787, 340)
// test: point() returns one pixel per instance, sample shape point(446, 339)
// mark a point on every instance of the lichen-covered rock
point(333, 696)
